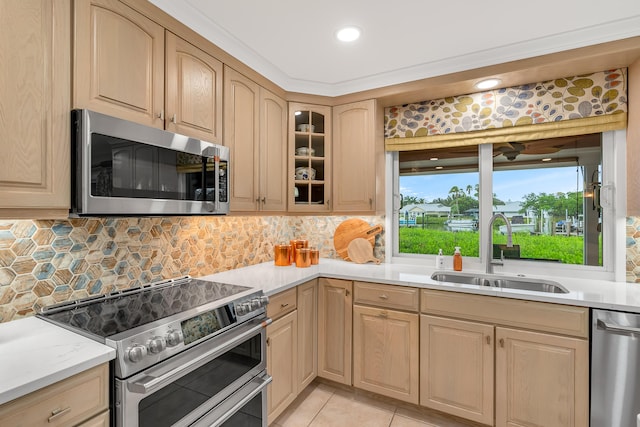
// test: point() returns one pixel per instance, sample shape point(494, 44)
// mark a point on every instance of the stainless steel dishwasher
point(615, 369)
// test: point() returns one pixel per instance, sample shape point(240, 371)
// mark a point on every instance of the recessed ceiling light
point(487, 84)
point(433, 158)
point(297, 113)
point(438, 167)
point(348, 34)
point(546, 159)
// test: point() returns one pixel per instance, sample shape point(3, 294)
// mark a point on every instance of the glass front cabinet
point(309, 158)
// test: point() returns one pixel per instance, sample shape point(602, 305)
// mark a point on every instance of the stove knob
point(136, 352)
point(255, 304)
point(156, 344)
point(247, 307)
point(264, 300)
point(173, 338)
point(240, 311)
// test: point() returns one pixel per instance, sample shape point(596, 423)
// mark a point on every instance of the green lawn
point(566, 249)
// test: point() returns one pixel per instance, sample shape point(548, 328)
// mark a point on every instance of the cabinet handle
point(370, 202)
point(383, 296)
point(258, 200)
point(264, 200)
point(161, 115)
point(328, 202)
point(268, 341)
point(57, 413)
point(174, 119)
point(346, 292)
point(488, 339)
point(284, 305)
point(383, 314)
point(501, 342)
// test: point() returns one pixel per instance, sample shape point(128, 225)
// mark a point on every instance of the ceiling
point(292, 43)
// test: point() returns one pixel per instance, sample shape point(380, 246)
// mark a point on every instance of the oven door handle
point(154, 383)
point(220, 414)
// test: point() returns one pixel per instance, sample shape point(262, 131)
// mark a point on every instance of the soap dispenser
point(457, 259)
point(440, 260)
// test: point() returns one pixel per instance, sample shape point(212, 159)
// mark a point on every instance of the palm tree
point(455, 194)
point(469, 189)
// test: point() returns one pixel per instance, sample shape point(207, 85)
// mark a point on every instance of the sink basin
point(531, 285)
point(465, 279)
point(500, 282)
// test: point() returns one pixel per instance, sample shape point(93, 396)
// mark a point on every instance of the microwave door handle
point(154, 383)
point(213, 153)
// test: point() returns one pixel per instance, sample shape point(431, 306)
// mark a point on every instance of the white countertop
point(35, 353)
point(582, 292)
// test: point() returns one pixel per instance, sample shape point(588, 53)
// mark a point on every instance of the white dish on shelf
point(305, 173)
point(305, 151)
point(305, 127)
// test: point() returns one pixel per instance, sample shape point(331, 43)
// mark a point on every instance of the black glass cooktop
point(123, 311)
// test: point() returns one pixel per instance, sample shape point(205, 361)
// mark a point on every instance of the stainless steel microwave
point(124, 168)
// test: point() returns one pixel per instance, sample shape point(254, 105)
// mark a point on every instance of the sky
point(507, 185)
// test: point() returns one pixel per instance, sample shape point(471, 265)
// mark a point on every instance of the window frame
point(614, 219)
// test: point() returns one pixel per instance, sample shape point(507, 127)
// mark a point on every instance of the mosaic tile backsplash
point(46, 262)
point(633, 249)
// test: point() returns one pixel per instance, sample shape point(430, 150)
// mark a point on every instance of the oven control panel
point(249, 306)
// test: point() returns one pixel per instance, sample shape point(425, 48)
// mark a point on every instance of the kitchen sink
point(535, 285)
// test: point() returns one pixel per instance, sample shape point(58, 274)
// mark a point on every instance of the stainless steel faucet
point(490, 261)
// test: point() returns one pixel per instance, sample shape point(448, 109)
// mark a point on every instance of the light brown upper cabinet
point(309, 158)
point(193, 91)
point(119, 68)
point(255, 132)
point(119, 62)
point(35, 79)
point(355, 147)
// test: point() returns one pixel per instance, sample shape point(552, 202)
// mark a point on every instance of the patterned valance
point(569, 106)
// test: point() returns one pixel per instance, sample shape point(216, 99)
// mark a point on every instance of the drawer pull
point(488, 339)
point(284, 305)
point(383, 296)
point(57, 413)
point(501, 342)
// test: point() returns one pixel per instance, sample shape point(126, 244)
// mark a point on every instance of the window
point(552, 191)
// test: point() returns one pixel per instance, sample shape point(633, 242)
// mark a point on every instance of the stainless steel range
point(189, 352)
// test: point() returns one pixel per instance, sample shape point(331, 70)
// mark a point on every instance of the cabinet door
point(193, 91)
point(385, 352)
point(35, 80)
point(307, 333)
point(335, 329)
point(541, 379)
point(310, 134)
point(282, 356)
point(354, 156)
point(456, 367)
point(273, 152)
point(119, 62)
point(241, 123)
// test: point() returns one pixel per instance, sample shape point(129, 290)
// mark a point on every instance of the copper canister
point(303, 257)
point(315, 256)
point(282, 255)
point(295, 245)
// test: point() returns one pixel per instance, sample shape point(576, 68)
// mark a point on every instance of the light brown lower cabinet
point(282, 357)
point(541, 367)
point(456, 367)
point(385, 352)
point(541, 379)
point(307, 333)
point(82, 398)
point(335, 325)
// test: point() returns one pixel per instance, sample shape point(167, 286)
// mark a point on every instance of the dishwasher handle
point(626, 330)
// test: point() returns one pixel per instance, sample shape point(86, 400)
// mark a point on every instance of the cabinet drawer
point(68, 402)
point(541, 316)
point(282, 303)
point(391, 296)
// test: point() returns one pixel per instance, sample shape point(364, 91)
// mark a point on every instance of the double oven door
point(220, 382)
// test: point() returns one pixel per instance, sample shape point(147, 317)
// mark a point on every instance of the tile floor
point(322, 405)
